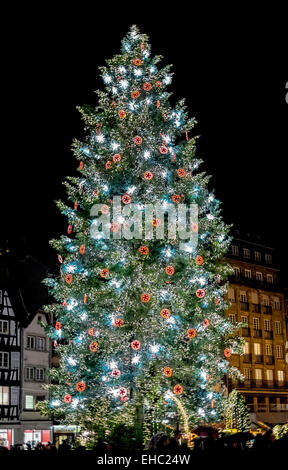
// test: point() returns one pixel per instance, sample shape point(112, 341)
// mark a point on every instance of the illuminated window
point(278, 328)
point(280, 375)
point(4, 395)
point(267, 325)
point(256, 323)
point(257, 349)
point(268, 349)
point(279, 351)
point(247, 373)
point(258, 374)
point(259, 276)
point(29, 402)
point(269, 375)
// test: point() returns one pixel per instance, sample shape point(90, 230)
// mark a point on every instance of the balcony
point(245, 331)
point(269, 360)
point(258, 359)
point(256, 308)
point(258, 284)
point(257, 333)
point(247, 358)
point(244, 306)
point(268, 334)
point(267, 309)
point(263, 384)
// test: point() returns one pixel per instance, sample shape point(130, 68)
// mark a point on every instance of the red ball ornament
point(227, 352)
point(81, 166)
point(163, 149)
point(136, 345)
point(145, 297)
point(105, 209)
point(167, 371)
point(115, 227)
point(137, 62)
point(91, 332)
point(60, 259)
point(122, 392)
point(75, 205)
point(144, 250)
point(206, 322)
point(68, 278)
point(67, 398)
point(82, 249)
point(178, 389)
point(69, 229)
point(138, 140)
point(191, 333)
point(93, 346)
point(200, 293)
point(118, 322)
point(95, 192)
point(108, 165)
point(170, 270)
point(126, 199)
point(80, 387)
point(199, 260)
point(194, 228)
point(104, 272)
point(165, 313)
point(147, 86)
point(176, 198)
point(58, 325)
point(181, 172)
point(135, 94)
point(121, 114)
point(148, 175)
point(156, 222)
point(117, 158)
point(158, 83)
point(115, 373)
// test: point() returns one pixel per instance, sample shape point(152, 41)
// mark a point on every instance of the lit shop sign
point(60, 428)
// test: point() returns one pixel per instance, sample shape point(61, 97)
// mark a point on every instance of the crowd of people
point(162, 443)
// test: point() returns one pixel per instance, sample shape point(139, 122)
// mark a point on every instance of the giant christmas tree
point(139, 323)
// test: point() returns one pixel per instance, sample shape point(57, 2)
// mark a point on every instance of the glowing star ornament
point(199, 260)
point(121, 114)
point(104, 272)
point(126, 199)
point(136, 345)
point(167, 371)
point(178, 389)
point(80, 387)
point(163, 150)
point(227, 352)
point(148, 175)
point(147, 86)
point(200, 293)
point(170, 270)
point(165, 313)
point(118, 322)
point(138, 140)
point(68, 278)
point(181, 172)
point(191, 333)
point(145, 297)
point(93, 346)
point(117, 158)
point(116, 373)
point(82, 249)
point(67, 398)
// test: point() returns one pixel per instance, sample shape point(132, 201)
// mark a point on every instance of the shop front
point(6, 436)
point(32, 437)
point(65, 433)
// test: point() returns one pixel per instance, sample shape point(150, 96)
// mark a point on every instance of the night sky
point(232, 72)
